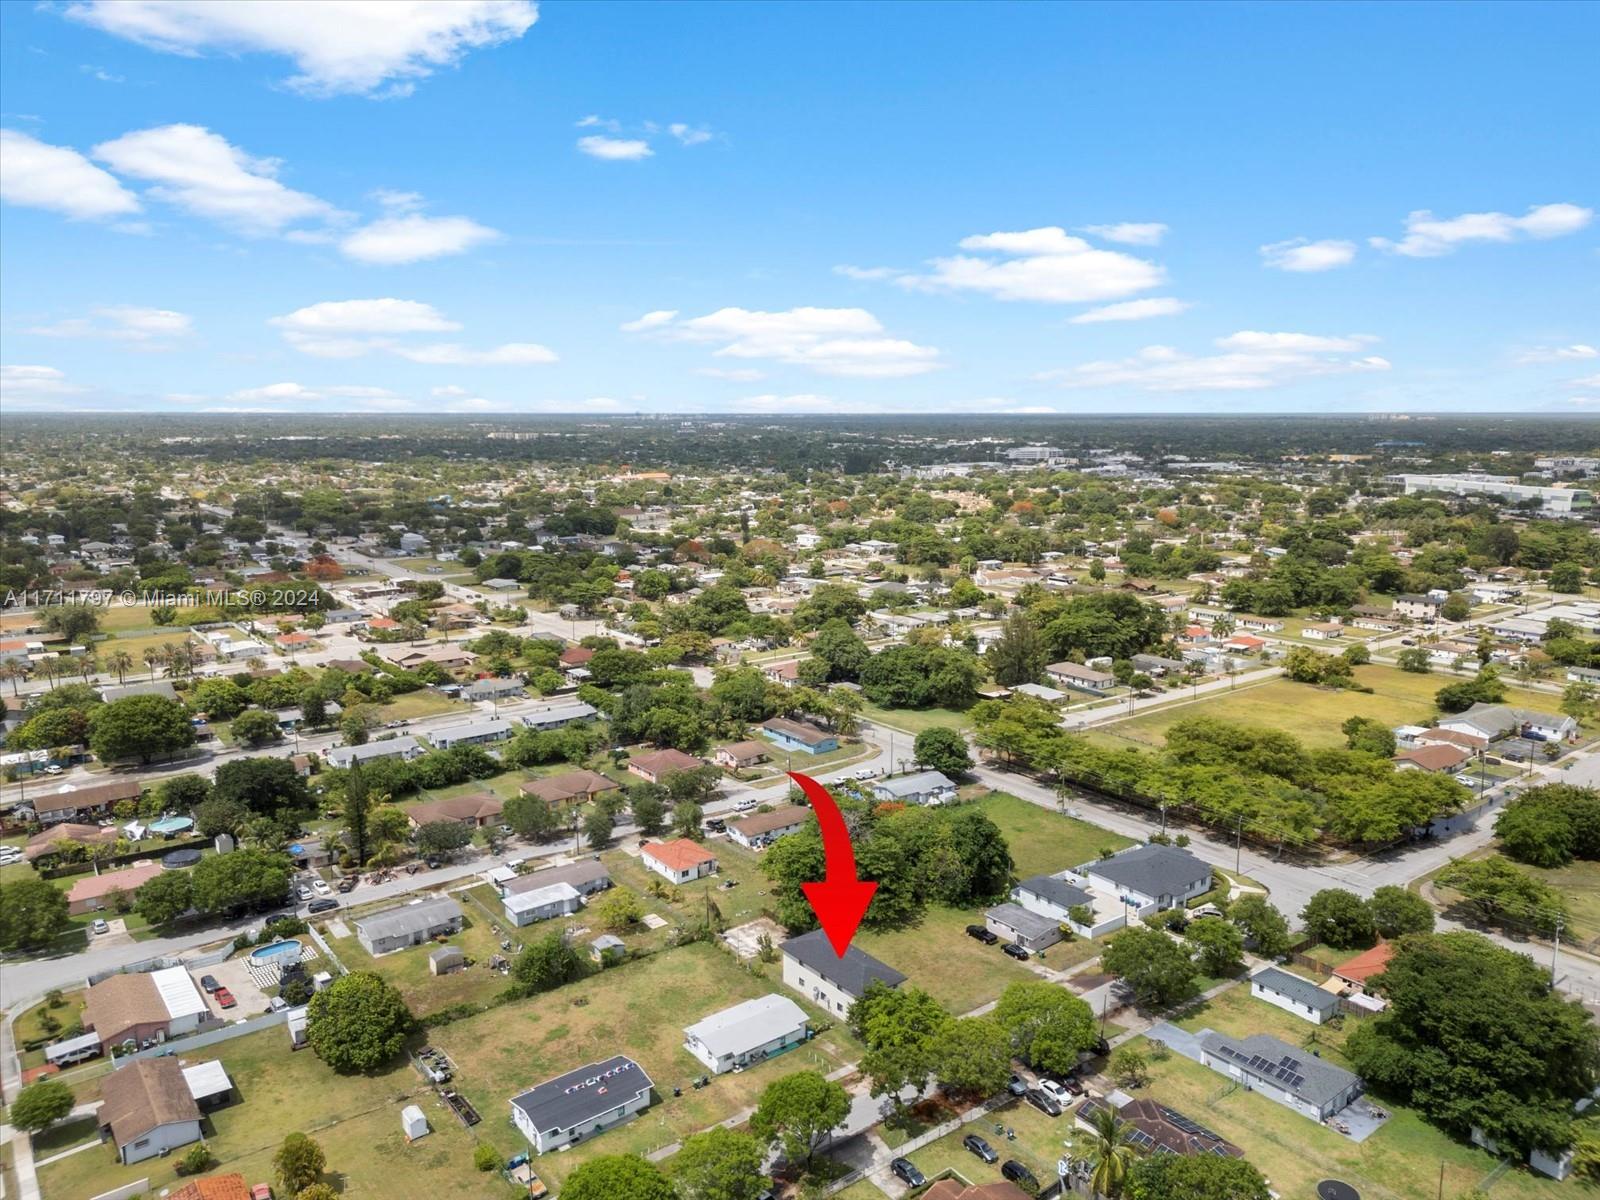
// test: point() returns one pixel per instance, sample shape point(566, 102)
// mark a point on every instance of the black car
point(209, 984)
point(1042, 1102)
point(981, 1148)
point(326, 904)
point(985, 935)
point(908, 1173)
point(1019, 1175)
point(1015, 951)
point(348, 883)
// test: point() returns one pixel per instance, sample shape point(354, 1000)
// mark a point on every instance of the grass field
point(915, 720)
point(119, 618)
point(1309, 713)
point(1579, 883)
point(408, 969)
point(1044, 842)
point(422, 703)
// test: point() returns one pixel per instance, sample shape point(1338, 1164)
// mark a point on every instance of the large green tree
point(32, 913)
point(1396, 911)
point(719, 1164)
point(1019, 655)
point(243, 879)
point(1047, 1025)
point(1194, 1177)
point(898, 1027)
point(1158, 969)
point(298, 1163)
point(1266, 930)
point(164, 898)
point(618, 1177)
point(40, 1105)
point(546, 963)
point(941, 748)
point(266, 786)
point(971, 1056)
point(358, 1023)
point(139, 727)
point(1338, 918)
point(797, 1112)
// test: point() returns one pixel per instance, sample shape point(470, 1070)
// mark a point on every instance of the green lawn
point(422, 703)
point(1044, 842)
point(915, 720)
point(1037, 1146)
point(119, 618)
point(1579, 884)
point(1313, 714)
point(29, 1027)
point(408, 969)
point(1240, 1014)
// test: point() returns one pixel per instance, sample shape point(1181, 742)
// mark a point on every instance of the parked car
point(277, 1004)
point(1018, 1086)
point(1062, 1087)
point(303, 891)
point(981, 1148)
point(745, 805)
point(224, 998)
point(261, 1191)
point(1044, 1102)
point(716, 825)
point(1019, 1175)
point(984, 934)
point(907, 1172)
point(348, 883)
point(320, 886)
point(100, 925)
point(1408, 641)
point(53, 769)
point(9, 855)
point(209, 984)
point(1015, 951)
point(326, 904)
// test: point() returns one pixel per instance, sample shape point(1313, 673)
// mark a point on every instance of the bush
point(485, 1157)
point(195, 1160)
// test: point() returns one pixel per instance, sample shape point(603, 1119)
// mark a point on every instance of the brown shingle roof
point(44, 841)
point(87, 797)
point(568, 786)
point(779, 818)
point(145, 1095)
point(477, 807)
point(129, 880)
point(117, 1004)
point(664, 762)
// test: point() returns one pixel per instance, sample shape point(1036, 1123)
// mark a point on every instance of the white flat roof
point(207, 1079)
point(178, 992)
point(539, 897)
point(746, 1026)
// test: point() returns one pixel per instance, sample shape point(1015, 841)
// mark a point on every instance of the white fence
point(209, 1038)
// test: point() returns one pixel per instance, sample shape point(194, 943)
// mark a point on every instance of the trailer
point(520, 1173)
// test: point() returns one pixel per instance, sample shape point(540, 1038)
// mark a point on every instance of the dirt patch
point(745, 940)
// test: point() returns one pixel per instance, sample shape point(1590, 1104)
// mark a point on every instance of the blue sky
point(485, 207)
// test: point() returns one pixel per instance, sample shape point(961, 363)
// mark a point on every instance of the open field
point(1579, 884)
point(1312, 714)
point(422, 703)
point(119, 618)
point(1043, 842)
point(408, 969)
point(914, 720)
point(639, 1009)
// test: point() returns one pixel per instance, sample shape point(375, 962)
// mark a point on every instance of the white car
point(744, 805)
point(53, 769)
point(303, 892)
point(1056, 1092)
point(321, 887)
point(100, 925)
point(9, 855)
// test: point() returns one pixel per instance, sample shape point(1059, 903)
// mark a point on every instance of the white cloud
point(38, 175)
point(1047, 265)
point(1545, 354)
point(351, 328)
point(339, 46)
point(1302, 254)
point(732, 374)
point(1130, 233)
point(597, 122)
point(202, 173)
point(1587, 381)
point(866, 274)
point(1132, 310)
point(512, 354)
point(274, 392)
point(22, 384)
point(829, 341)
point(689, 135)
point(651, 320)
point(1248, 361)
point(148, 328)
point(615, 149)
point(413, 237)
point(398, 201)
point(1428, 236)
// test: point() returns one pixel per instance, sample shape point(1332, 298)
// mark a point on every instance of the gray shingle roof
point(578, 874)
point(1152, 870)
point(1056, 891)
point(1028, 924)
point(849, 974)
point(409, 918)
point(583, 1094)
point(1301, 991)
point(1315, 1080)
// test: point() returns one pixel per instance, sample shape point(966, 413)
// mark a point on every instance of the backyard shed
point(446, 959)
point(413, 1123)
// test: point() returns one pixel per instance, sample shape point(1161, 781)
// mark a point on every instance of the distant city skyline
point(501, 208)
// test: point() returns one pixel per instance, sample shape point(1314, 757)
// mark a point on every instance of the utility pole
point(1238, 848)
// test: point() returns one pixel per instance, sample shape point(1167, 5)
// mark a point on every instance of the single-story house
point(1355, 973)
point(474, 733)
point(1053, 897)
point(656, 766)
point(922, 787)
point(43, 843)
point(1323, 631)
point(147, 1110)
point(406, 748)
point(1293, 994)
point(1156, 666)
point(740, 756)
point(785, 673)
point(588, 876)
point(212, 1187)
point(1451, 737)
point(1037, 691)
point(448, 655)
point(557, 715)
point(1081, 678)
point(477, 810)
point(1312, 1086)
point(574, 1107)
point(1433, 758)
point(89, 893)
point(1495, 721)
point(1153, 874)
point(575, 656)
point(501, 584)
point(1244, 643)
point(148, 687)
point(763, 828)
point(408, 925)
point(569, 787)
point(801, 736)
point(1158, 1129)
point(492, 689)
point(144, 1007)
point(680, 860)
point(747, 1033)
point(834, 983)
point(541, 903)
point(74, 804)
point(1027, 929)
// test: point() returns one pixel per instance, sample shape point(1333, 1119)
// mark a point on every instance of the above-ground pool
point(180, 858)
point(264, 954)
point(168, 826)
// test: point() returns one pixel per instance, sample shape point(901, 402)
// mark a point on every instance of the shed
point(607, 948)
point(413, 1123)
point(446, 959)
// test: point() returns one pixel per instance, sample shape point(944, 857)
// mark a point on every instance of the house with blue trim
point(800, 736)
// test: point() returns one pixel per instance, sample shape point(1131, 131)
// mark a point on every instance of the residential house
point(146, 1109)
point(922, 787)
point(473, 733)
point(1356, 973)
point(1054, 897)
point(90, 893)
point(1149, 876)
point(1157, 1129)
point(1433, 759)
point(492, 689)
point(1029, 930)
point(1049, 695)
point(656, 766)
point(94, 837)
point(588, 876)
point(1081, 678)
point(149, 687)
point(747, 1033)
point(786, 673)
point(1156, 666)
point(1496, 721)
point(834, 983)
point(575, 656)
point(1451, 737)
point(406, 748)
point(557, 716)
point(1312, 1086)
point(144, 1007)
point(574, 1107)
point(541, 903)
point(1258, 624)
point(740, 756)
point(799, 736)
point(1417, 608)
point(761, 829)
point(478, 810)
point(1294, 994)
point(500, 584)
point(408, 925)
point(569, 787)
point(74, 804)
point(680, 860)
point(1323, 631)
point(212, 1187)
point(449, 655)
point(1244, 643)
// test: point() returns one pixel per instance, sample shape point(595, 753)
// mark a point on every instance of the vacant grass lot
point(639, 1009)
point(1579, 883)
point(915, 720)
point(119, 618)
point(425, 702)
point(1314, 714)
point(960, 972)
point(1044, 842)
point(408, 969)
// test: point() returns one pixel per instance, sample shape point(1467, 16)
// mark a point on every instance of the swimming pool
point(263, 954)
point(170, 825)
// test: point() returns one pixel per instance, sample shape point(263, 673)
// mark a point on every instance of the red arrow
point(841, 900)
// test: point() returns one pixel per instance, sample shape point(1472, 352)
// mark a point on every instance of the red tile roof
point(678, 855)
point(1366, 964)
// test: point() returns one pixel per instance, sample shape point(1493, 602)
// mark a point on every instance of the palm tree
point(50, 668)
point(119, 661)
point(153, 657)
point(1107, 1147)
point(87, 666)
point(13, 672)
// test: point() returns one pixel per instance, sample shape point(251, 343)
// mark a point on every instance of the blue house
point(799, 735)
